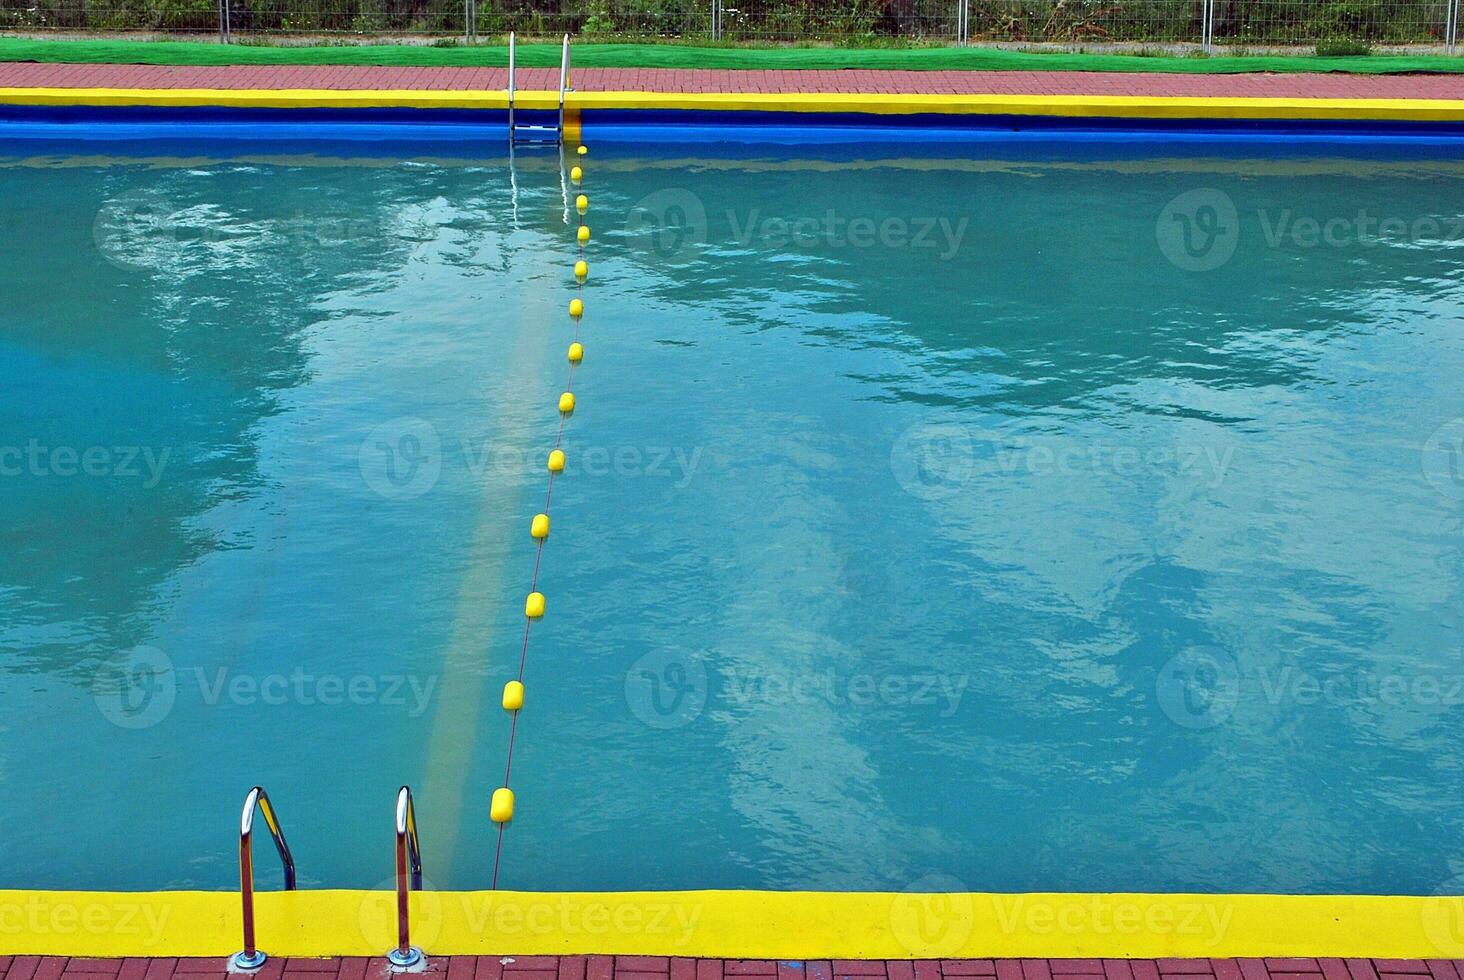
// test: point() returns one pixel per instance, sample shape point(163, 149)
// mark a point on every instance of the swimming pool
point(1042, 517)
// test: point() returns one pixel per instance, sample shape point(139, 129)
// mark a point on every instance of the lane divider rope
point(500, 810)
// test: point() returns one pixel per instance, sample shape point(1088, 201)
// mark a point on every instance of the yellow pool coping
point(1083, 106)
point(738, 924)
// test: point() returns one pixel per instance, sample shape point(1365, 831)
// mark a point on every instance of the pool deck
point(692, 81)
point(1305, 99)
point(676, 968)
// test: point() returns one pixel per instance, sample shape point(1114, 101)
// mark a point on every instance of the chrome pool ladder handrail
point(251, 957)
point(512, 48)
point(564, 87)
point(408, 877)
point(563, 82)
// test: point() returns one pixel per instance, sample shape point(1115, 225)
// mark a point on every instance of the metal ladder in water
point(535, 134)
point(402, 956)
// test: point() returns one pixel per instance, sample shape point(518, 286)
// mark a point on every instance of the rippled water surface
point(1072, 520)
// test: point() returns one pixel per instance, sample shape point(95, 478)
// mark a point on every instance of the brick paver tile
point(379, 968)
point(1401, 966)
point(642, 964)
point(462, 967)
point(24, 968)
point(1076, 966)
point(549, 973)
point(975, 968)
point(50, 968)
point(354, 968)
point(159, 969)
point(859, 968)
point(707, 970)
point(600, 968)
point(749, 968)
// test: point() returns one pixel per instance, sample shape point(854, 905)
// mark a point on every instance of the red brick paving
point(1319, 86)
point(679, 968)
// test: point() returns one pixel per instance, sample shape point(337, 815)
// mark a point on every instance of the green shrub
point(1342, 48)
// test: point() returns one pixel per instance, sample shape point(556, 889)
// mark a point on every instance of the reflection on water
point(1038, 522)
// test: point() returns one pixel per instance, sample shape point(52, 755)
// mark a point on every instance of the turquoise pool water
point(1029, 518)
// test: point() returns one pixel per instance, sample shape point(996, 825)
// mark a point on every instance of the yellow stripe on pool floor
point(487, 588)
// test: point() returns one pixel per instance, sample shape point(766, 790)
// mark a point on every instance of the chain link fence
point(1232, 24)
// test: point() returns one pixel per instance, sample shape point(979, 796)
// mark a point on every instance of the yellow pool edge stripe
point(1080, 106)
point(738, 924)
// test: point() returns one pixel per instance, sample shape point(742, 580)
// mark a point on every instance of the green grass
point(666, 55)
